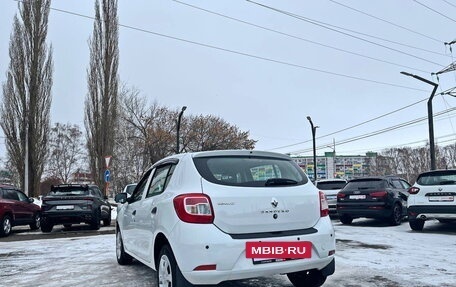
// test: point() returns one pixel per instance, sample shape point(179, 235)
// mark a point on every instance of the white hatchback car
point(208, 217)
point(433, 196)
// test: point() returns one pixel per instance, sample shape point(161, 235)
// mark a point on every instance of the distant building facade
point(338, 166)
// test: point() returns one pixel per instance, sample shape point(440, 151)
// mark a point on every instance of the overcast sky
point(266, 66)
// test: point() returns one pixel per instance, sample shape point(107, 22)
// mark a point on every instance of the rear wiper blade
point(447, 182)
point(280, 181)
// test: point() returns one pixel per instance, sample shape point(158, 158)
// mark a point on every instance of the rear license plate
point(441, 198)
point(331, 197)
point(358, 196)
point(268, 252)
point(64, 207)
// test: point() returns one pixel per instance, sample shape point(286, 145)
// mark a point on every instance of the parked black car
point(374, 197)
point(73, 204)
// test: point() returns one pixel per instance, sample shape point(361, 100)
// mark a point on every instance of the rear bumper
point(209, 246)
point(365, 210)
point(68, 217)
point(426, 212)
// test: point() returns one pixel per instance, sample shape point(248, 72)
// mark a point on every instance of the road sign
point(107, 175)
point(107, 160)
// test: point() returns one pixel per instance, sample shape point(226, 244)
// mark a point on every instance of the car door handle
point(154, 210)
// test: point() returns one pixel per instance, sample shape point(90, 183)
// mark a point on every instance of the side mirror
point(31, 200)
point(121, 198)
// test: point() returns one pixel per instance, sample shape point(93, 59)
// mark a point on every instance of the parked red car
point(16, 208)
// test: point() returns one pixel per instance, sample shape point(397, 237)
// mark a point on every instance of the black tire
point(5, 226)
point(122, 257)
point(95, 222)
point(107, 221)
point(310, 278)
point(36, 224)
point(416, 224)
point(345, 219)
point(396, 215)
point(46, 225)
point(168, 272)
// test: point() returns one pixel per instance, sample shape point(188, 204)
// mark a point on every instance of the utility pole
point(314, 129)
point(430, 116)
point(178, 128)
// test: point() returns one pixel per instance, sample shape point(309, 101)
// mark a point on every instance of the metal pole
point(178, 128)
point(314, 128)
point(430, 116)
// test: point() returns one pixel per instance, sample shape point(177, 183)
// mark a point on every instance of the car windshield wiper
point(280, 181)
point(444, 182)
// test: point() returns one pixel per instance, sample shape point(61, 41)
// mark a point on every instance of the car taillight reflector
point(380, 194)
point(413, 190)
point(194, 208)
point(206, 267)
point(324, 208)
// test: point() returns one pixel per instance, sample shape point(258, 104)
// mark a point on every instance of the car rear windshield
point(250, 171)
point(330, 185)
point(447, 177)
point(366, 184)
point(69, 191)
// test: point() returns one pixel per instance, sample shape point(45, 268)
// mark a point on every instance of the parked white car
point(331, 187)
point(208, 217)
point(432, 197)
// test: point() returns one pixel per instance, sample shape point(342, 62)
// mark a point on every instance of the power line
point(435, 11)
point(449, 3)
point(354, 126)
point(326, 26)
point(297, 37)
point(381, 131)
point(242, 53)
point(386, 21)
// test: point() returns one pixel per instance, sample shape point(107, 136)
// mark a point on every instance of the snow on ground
point(369, 253)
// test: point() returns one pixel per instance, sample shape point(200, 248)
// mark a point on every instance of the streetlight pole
point(178, 127)
point(430, 116)
point(314, 129)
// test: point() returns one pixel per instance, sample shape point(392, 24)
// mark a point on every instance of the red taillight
point(194, 208)
point(413, 190)
point(379, 194)
point(324, 208)
point(341, 195)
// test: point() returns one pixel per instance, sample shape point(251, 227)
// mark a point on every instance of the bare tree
point(101, 106)
point(212, 133)
point(26, 101)
point(66, 151)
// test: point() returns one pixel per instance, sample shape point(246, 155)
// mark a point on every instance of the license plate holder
point(64, 207)
point(442, 198)
point(277, 251)
point(357, 196)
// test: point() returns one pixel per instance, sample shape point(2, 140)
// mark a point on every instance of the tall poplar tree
point(26, 98)
point(103, 87)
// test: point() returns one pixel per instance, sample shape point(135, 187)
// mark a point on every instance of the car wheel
point(346, 219)
point(122, 257)
point(36, 222)
point(168, 273)
point(416, 224)
point(46, 225)
point(107, 221)
point(5, 226)
point(95, 222)
point(309, 278)
point(396, 215)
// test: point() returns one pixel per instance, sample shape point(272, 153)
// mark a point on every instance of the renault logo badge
point(274, 202)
